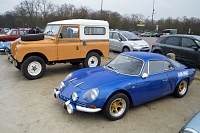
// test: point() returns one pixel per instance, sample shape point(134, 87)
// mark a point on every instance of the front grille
point(81, 104)
point(8, 50)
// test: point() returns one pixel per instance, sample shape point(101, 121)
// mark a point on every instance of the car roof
point(81, 22)
point(146, 55)
point(181, 35)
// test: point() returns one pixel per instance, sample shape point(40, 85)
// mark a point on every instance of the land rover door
point(69, 44)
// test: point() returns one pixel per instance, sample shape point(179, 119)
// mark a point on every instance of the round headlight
point(91, 95)
point(74, 96)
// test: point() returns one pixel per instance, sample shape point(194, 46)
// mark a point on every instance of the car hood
point(96, 77)
point(141, 43)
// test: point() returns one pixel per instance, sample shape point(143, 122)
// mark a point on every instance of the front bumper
point(143, 49)
point(71, 106)
point(2, 50)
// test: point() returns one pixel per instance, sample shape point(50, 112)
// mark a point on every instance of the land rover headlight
point(91, 95)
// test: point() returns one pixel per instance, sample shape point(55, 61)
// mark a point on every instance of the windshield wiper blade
point(113, 68)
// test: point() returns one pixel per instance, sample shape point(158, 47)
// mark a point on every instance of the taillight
point(153, 43)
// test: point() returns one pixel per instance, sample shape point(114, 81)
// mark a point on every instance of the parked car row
point(130, 79)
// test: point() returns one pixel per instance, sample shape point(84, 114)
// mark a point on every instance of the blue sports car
point(130, 79)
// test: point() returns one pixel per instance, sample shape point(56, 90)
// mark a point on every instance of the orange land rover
point(75, 41)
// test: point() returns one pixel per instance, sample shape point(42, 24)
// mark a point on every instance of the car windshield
point(130, 36)
point(9, 32)
point(52, 29)
point(125, 65)
point(198, 40)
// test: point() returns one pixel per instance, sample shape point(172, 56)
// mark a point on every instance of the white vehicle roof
point(81, 22)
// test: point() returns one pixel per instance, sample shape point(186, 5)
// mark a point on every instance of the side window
point(22, 33)
point(173, 41)
point(187, 42)
point(161, 39)
point(156, 67)
point(122, 37)
point(14, 33)
point(168, 66)
point(70, 32)
point(94, 30)
point(115, 36)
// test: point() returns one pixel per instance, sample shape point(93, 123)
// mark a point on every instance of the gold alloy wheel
point(117, 107)
point(182, 88)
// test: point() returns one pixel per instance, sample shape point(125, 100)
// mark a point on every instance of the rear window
point(160, 39)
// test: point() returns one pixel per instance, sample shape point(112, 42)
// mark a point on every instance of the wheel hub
point(34, 68)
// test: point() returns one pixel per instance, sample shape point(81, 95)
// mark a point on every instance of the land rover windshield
point(52, 29)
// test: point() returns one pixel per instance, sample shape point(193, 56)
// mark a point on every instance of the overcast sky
point(163, 8)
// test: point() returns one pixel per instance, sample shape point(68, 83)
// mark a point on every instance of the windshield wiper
point(113, 68)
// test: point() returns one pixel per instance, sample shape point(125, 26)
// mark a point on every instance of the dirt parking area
point(28, 106)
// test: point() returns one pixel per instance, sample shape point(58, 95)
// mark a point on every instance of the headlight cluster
point(135, 44)
point(68, 76)
point(74, 96)
point(62, 85)
point(91, 95)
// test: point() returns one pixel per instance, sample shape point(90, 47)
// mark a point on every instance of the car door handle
point(164, 80)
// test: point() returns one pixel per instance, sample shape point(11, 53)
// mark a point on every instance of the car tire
point(125, 49)
point(181, 88)
point(92, 60)
point(32, 37)
point(116, 106)
point(33, 67)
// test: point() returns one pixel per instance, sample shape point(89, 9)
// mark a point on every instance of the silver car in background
point(125, 41)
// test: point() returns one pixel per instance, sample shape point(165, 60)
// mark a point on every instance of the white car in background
point(125, 41)
point(146, 34)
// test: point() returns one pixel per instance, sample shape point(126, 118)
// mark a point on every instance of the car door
point(116, 42)
point(190, 53)
point(14, 35)
point(155, 85)
point(69, 45)
point(172, 45)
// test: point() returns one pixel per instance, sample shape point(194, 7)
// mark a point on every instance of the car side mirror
point(61, 36)
point(119, 39)
point(144, 75)
point(195, 48)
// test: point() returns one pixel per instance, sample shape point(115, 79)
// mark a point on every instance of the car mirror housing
point(144, 75)
point(119, 39)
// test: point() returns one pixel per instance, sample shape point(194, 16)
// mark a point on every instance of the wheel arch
point(120, 91)
point(126, 46)
point(36, 54)
point(95, 50)
point(157, 51)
